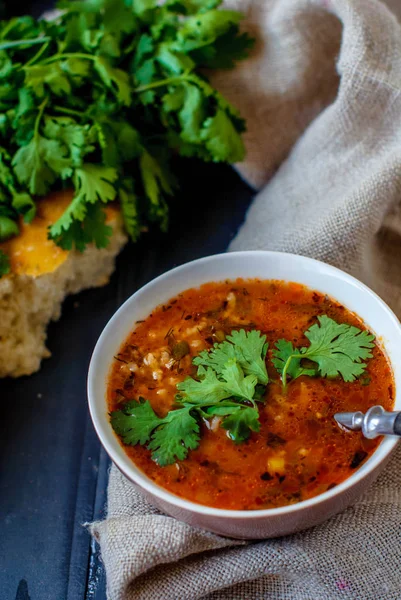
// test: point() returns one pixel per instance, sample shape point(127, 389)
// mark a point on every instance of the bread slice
point(42, 275)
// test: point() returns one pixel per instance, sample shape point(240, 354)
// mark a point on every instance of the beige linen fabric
point(322, 97)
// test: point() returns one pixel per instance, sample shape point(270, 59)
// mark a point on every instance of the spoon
point(376, 421)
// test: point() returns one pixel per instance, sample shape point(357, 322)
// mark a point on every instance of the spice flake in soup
point(225, 395)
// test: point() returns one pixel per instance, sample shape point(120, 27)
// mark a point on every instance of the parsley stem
point(69, 55)
point(39, 117)
point(286, 367)
point(37, 55)
point(16, 43)
point(161, 82)
point(68, 111)
point(6, 30)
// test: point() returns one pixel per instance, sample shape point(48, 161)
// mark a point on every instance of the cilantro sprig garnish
point(230, 390)
point(231, 380)
point(100, 100)
point(247, 348)
point(337, 349)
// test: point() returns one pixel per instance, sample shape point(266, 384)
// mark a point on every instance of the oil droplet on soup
point(300, 451)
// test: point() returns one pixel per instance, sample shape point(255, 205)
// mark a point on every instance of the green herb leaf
point(115, 79)
point(236, 383)
point(251, 348)
point(115, 84)
point(38, 164)
point(338, 349)
point(240, 424)
point(248, 348)
point(281, 357)
point(169, 439)
point(93, 184)
point(178, 434)
point(39, 78)
point(208, 390)
point(221, 138)
point(8, 228)
point(135, 422)
point(129, 209)
point(204, 29)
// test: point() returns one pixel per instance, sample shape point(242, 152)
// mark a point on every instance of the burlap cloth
point(322, 97)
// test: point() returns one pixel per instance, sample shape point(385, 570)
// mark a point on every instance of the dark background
point(53, 472)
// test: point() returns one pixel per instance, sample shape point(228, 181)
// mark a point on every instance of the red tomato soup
point(299, 451)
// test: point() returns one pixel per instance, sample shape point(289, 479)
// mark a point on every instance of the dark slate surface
point(53, 473)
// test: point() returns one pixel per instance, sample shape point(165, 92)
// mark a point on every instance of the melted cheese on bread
point(42, 275)
point(31, 252)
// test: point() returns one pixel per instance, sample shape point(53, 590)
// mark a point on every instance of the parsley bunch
point(229, 386)
point(100, 99)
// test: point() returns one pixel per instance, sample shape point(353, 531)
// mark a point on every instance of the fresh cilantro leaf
point(127, 139)
point(71, 238)
point(144, 48)
point(222, 409)
point(172, 60)
point(5, 266)
point(108, 144)
point(216, 357)
point(225, 51)
point(91, 230)
point(209, 389)
point(76, 138)
point(37, 78)
point(129, 209)
point(38, 164)
point(93, 184)
point(248, 348)
point(118, 17)
point(81, 6)
point(8, 228)
point(236, 383)
point(95, 228)
point(192, 114)
point(240, 424)
point(24, 205)
point(155, 182)
point(115, 79)
point(178, 434)
point(77, 69)
point(203, 29)
point(283, 351)
point(338, 349)
point(142, 7)
point(222, 139)
point(189, 7)
point(135, 422)
point(115, 84)
point(169, 439)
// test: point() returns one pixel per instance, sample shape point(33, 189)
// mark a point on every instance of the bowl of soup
point(214, 388)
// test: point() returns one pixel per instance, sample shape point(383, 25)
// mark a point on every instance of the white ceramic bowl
point(265, 265)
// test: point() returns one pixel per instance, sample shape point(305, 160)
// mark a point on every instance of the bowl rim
point(138, 477)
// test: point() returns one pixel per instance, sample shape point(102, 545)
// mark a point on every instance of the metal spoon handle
point(376, 421)
point(397, 425)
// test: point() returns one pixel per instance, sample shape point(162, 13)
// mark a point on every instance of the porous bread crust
point(28, 304)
